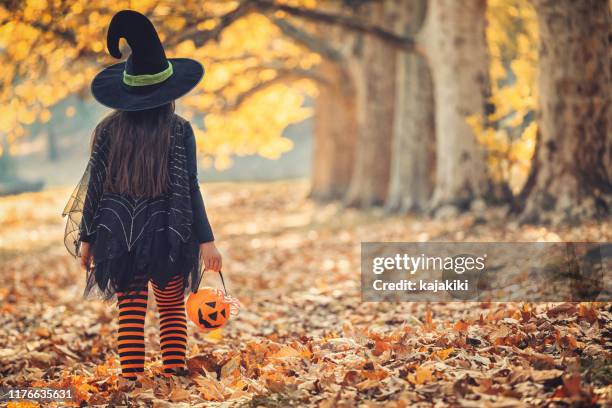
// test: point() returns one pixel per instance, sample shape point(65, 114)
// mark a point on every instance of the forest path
point(303, 337)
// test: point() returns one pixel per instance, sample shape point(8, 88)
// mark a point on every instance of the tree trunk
point(574, 165)
point(335, 132)
point(414, 134)
point(455, 44)
point(414, 130)
point(375, 96)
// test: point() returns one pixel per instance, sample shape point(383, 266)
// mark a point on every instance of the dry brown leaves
point(303, 337)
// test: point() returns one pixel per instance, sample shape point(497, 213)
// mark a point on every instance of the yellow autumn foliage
point(509, 133)
point(51, 50)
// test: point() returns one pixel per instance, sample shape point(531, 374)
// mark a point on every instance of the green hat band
point(147, 79)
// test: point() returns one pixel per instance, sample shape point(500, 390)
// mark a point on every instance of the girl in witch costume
point(138, 215)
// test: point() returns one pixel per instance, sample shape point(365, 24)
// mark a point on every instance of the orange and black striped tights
point(173, 326)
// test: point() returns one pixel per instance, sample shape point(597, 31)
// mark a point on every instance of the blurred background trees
point(434, 106)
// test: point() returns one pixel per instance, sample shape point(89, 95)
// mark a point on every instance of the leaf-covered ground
point(303, 337)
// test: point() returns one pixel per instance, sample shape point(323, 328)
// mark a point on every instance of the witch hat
point(147, 78)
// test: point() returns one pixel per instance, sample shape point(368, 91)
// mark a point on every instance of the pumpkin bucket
point(210, 308)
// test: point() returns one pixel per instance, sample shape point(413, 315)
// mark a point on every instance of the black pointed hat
point(147, 78)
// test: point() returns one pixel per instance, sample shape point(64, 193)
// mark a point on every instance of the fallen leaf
point(231, 368)
point(286, 351)
point(461, 326)
point(210, 389)
point(443, 354)
point(179, 394)
point(421, 375)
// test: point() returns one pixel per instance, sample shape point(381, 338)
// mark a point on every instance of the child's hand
point(210, 256)
point(85, 255)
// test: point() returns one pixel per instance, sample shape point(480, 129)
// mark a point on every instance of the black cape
point(151, 238)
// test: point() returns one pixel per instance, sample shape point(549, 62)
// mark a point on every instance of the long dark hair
point(139, 143)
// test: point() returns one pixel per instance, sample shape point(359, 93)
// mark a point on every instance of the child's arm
point(85, 237)
point(95, 186)
point(203, 230)
point(82, 205)
point(202, 226)
point(88, 236)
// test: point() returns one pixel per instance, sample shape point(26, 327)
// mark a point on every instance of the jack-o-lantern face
point(207, 309)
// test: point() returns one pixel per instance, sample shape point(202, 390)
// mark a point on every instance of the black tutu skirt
point(131, 245)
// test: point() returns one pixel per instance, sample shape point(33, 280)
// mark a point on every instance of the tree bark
point(414, 135)
point(414, 129)
point(375, 96)
point(455, 44)
point(574, 159)
point(335, 132)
